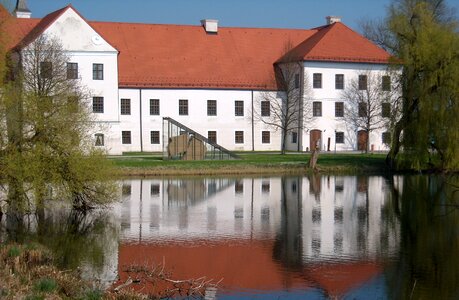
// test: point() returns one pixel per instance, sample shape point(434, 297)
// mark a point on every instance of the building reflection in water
point(266, 234)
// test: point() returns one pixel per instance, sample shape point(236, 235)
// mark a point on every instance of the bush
point(45, 285)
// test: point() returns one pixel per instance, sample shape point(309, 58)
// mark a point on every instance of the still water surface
point(315, 237)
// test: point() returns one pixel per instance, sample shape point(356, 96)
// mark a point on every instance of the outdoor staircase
point(183, 143)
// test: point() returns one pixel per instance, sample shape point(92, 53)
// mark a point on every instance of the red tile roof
point(247, 265)
point(339, 43)
point(180, 56)
point(176, 56)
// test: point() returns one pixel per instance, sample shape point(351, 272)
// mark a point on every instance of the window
point(239, 108)
point(125, 106)
point(211, 107)
point(265, 109)
point(98, 71)
point(265, 187)
point(386, 83)
point(265, 137)
point(99, 139)
point(46, 69)
point(154, 107)
point(154, 189)
point(297, 81)
point(183, 107)
point(126, 190)
point(239, 187)
point(294, 137)
point(72, 71)
point(385, 110)
point(317, 80)
point(362, 82)
point(316, 109)
point(339, 109)
point(339, 81)
point(98, 105)
point(362, 109)
point(154, 137)
point(212, 136)
point(339, 137)
point(239, 137)
point(126, 137)
point(386, 139)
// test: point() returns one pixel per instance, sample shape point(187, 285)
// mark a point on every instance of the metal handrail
point(200, 137)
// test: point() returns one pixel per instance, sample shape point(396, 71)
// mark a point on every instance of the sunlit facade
point(211, 79)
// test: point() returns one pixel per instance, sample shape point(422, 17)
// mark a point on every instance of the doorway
point(315, 139)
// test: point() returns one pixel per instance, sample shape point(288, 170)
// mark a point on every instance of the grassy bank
point(139, 164)
point(28, 272)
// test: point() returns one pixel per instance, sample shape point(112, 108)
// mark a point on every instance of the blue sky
point(239, 13)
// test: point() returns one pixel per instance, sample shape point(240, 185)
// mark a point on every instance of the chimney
point(21, 10)
point(211, 26)
point(332, 19)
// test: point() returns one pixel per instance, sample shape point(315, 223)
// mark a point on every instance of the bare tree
point(285, 110)
point(371, 103)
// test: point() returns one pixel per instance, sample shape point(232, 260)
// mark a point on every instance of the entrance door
point(315, 139)
point(362, 138)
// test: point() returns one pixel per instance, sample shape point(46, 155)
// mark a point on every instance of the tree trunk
point(313, 159)
point(284, 139)
point(395, 145)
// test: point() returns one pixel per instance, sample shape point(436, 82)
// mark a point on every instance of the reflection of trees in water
point(288, 246)
point(428, 262)
point(76, 239)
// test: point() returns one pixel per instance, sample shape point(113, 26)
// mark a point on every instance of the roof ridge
point(198, 26)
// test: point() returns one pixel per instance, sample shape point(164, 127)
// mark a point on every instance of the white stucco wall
point(328, 95)
point(225, 123)
point(86, 47)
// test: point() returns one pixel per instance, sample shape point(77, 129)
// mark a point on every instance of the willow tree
point(48, 152)
point(423, 34)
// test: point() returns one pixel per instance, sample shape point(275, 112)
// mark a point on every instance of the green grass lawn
point(249, 160)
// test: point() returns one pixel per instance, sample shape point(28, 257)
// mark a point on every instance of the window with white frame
point(72, 70)
point(154, 107)
point(239, 108)
point(339, 137)
point(126, 137)
point(265, 109)
point(98, 105)
point(125, 106)
point(317, 80)
point(211, 107)
point(239, 137)
point(212, 136)
point(183, 107)
point(265, 137)
point(99, 139)
point(98, 71)
point(154, 137)
point(316, 109)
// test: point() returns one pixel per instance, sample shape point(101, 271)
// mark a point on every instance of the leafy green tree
point(48, 152)
point(423, 35)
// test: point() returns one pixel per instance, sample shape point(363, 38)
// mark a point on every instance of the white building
point(207, 77)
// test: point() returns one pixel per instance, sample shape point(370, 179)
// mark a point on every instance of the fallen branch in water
point(157, 283)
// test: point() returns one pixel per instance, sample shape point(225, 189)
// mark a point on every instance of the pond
point(313, 237)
